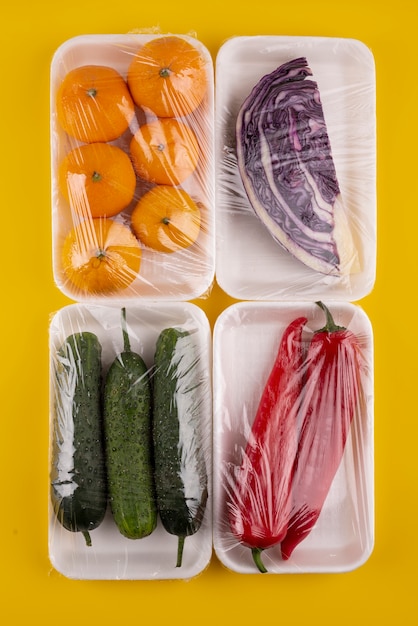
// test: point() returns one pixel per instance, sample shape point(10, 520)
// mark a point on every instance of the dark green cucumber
point(180, 470)
point(78, 474)
point(128, 437)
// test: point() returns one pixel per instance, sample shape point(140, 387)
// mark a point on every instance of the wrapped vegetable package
point(293, 455)
point(130, 432)
point(296, 206)
point(132, 167)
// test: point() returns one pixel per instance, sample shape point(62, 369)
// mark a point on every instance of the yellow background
point(31, 591)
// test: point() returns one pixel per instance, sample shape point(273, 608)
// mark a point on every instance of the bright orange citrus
point(98, 179)
point(166, 219)
point(101, 256)
point(94, 104)
point(169, 76)
point(165, 151)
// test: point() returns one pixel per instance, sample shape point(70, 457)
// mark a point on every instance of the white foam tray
point(111, 555)
point(246, 337)
point(250, 265)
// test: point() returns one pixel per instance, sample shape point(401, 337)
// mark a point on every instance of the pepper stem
point(330, 326)
point(126, 342)
point(87, 537)
point(180, 547)
point(256, 552)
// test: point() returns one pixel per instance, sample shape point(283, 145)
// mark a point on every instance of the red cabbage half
point(284, 158)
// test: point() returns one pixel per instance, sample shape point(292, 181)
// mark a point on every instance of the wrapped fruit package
point(132, 127)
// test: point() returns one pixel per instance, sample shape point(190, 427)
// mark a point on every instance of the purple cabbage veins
point(285, 161)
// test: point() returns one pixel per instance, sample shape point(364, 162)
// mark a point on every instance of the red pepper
point(331, 396)
point(260, 502)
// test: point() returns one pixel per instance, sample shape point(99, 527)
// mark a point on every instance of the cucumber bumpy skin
point(78, 473)
point(180, 469)
point(128, 441)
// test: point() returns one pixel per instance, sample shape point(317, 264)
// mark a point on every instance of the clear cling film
point(296, 168)
point(293, 453)
point(133, 167)
point(130, 442)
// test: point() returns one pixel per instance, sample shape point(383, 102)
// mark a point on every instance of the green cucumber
point(180, 470)
point(128, 443)
point(78, 473)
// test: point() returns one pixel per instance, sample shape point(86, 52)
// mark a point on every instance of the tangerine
point(94, 104)
point(166, 219)
point(169, 76)
point(164, 151)
point(98, 179)
point(101, 256)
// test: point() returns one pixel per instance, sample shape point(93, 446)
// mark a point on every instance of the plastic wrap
point(132, 167)
point(293, 438)
point(295, 164)
point(128, 412)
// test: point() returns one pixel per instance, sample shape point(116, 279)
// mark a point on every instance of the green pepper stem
point(180, 547)
point(87, 537)
point(330, 326)
point(256, 552)
point(126, 342)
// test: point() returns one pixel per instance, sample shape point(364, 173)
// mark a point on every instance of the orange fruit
point(98, 179)
point(94, 104)
point(101, 256)
point(169, 76)
point(166, 219)
point(164, 151)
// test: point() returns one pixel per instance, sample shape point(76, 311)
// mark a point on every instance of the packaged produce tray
point(132, 170)
point(81, 477)
point(295, 168)
point(283, 169)
point(299, 497)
